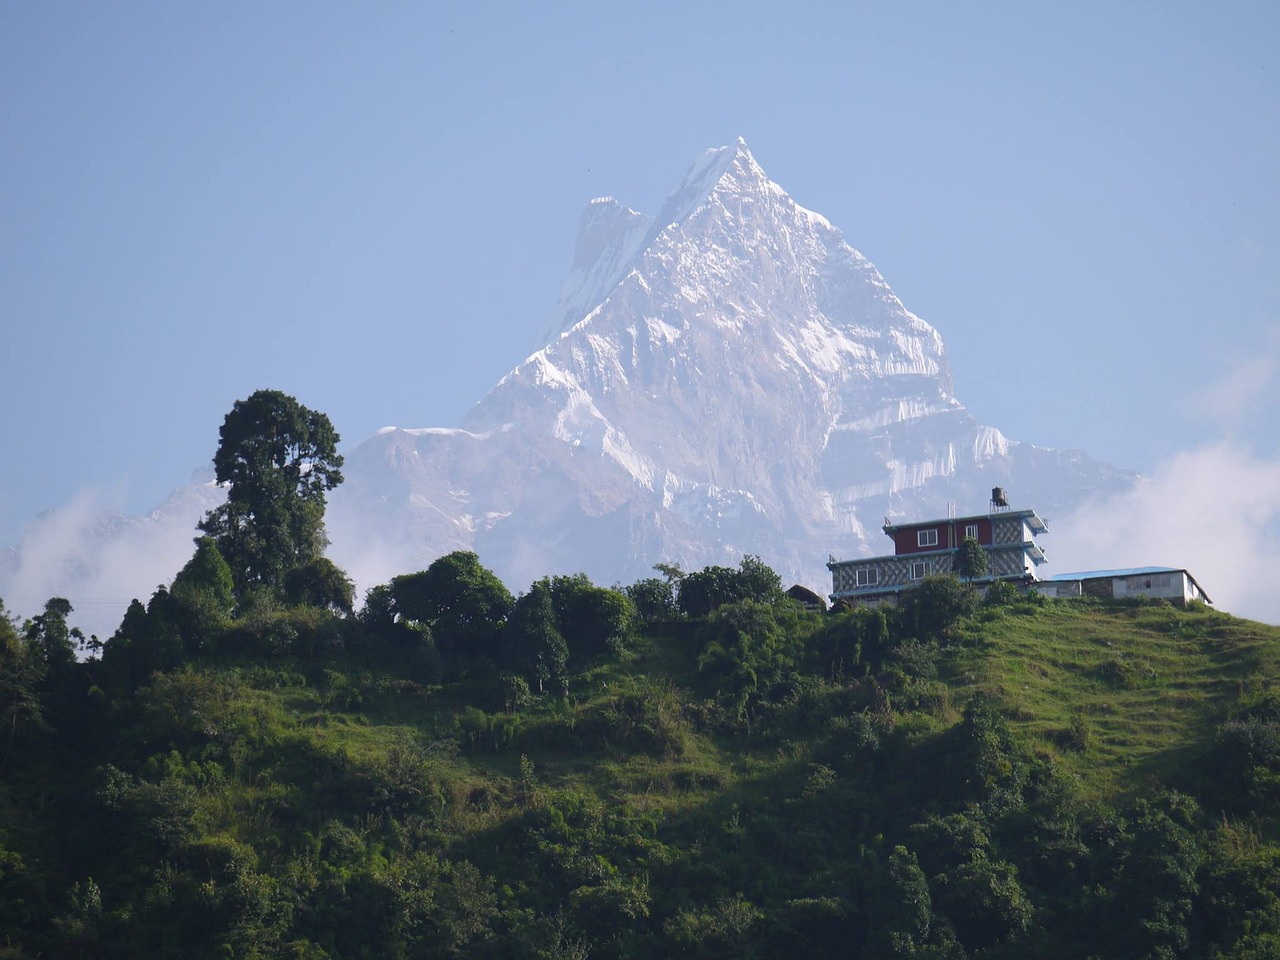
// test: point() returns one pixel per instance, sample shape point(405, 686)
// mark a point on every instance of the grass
point(1144, 682)
point(1118, 693)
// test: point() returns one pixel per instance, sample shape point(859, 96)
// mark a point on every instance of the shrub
point(1077, 736)
point(653, 598)
point(1126, 673)
point(931, 610)
point(1001, 593)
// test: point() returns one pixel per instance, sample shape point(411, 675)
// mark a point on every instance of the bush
point(654, 599)
point(931, 610)
point(1077, 736)
point(1001, 593)
point(1126, 673)
point(712, 587)
point(594, 621)
point(513, 692)
point(320, 583)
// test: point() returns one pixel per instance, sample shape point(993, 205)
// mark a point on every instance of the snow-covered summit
point(612, 236)
point(727, 376)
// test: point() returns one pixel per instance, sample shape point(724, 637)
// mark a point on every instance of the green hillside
point(1148, 682)
point(729, 775)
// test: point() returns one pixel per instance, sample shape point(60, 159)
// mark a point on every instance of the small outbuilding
point(1169, 583)
point(807, 598)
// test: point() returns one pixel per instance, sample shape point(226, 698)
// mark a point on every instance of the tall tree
point(203, 592)
point(532, 643)
point(320, 583)
point(971, 560)
point(278, 459)
point(20, 674)
point(50, 637)
point(463, 601)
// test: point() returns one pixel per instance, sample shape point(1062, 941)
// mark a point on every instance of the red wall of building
point(950, 533)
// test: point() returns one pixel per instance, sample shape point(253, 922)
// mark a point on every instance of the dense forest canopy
point(690, 765)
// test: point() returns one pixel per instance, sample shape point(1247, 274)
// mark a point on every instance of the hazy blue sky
point(372, 207)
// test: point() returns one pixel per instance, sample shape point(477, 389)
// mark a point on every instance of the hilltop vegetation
point(1028, 777)
point(693, 765)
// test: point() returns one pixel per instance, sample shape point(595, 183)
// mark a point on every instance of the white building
point(1170, 583)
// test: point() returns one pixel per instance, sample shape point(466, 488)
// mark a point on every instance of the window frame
point(923, 566)
point(971, 530)
point(866, 577)
point(927, 538)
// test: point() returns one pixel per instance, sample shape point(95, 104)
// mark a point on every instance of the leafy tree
point(932, 609)
point(1157, 882)
point(978, 892)
point(462, 601)
point(849, 642)
point(50, 637)
point(320, 583)
point(120, 657)
point(984, 764)
point(712, 587)
point(592, 619)
point(160, 645)
point(905, 908)
point(653, 599)
point(750, 648)
point(20, 674)
point(1001, 593)
point(148, 639)
point(757, 580)
point(704, 590)
point(971, 560)
point(203, 592)
point(278, 459)
point(379, 610)
point(532, 643)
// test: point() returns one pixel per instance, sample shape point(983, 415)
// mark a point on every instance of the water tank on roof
point(998, 497)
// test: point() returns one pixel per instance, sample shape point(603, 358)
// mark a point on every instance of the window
point(920, 569)
point(868, 577)
point(926, 538)
point(971, 530)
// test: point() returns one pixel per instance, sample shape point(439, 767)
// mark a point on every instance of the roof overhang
point(1032, 519)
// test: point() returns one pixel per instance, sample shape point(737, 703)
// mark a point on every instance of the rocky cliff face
point(728, 377)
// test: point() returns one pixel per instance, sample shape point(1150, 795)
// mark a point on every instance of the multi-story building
point(930, 546)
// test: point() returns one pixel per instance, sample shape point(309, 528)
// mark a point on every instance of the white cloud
point(96, 558)
point(1214, 511)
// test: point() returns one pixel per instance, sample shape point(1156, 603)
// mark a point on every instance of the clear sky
point(372, 207)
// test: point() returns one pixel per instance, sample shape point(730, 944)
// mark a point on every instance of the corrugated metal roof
point(1126, 572)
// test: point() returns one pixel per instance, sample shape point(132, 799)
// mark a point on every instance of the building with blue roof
point(1169, 583)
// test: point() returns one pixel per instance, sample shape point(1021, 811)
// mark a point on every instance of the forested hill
point(694, 766)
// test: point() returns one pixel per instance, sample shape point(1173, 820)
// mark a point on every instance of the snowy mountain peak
point(729, 377)
point(731, 169)
point(732, 376)
point(611, 236)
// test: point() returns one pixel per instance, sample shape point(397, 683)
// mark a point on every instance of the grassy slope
point(668, 793)
point(1151, 681)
